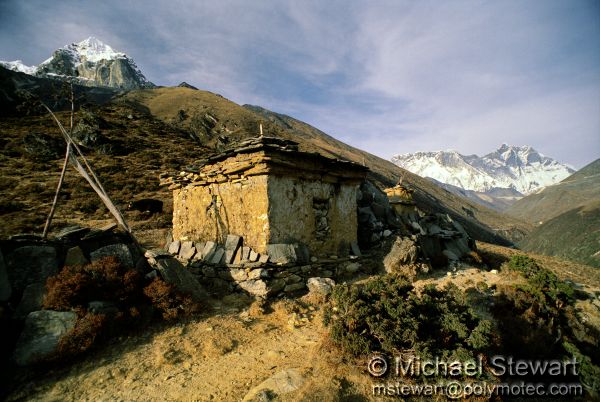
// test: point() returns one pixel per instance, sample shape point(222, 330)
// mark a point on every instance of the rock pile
point(230, 267)
point(26, 262)
point(376, 217)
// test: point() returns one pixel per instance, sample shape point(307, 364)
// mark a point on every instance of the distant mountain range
point(496, 179)
point(90, 63)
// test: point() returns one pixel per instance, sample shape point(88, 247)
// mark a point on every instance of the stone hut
point(269, 192)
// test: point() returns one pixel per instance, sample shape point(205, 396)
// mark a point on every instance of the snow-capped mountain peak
point(18, 66)
point(519, 168)
point(89, 62)
point(94, 50)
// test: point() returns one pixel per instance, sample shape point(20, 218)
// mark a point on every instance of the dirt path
point(219, 357)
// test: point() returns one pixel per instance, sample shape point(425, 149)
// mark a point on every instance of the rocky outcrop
point(89, 63)
point(42, 334)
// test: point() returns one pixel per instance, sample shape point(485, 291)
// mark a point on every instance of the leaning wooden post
point(63, 172)
point(60, 182)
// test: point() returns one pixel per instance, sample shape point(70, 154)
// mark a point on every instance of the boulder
point(355, 249)
point(321, 286)
point(184, 281)
point(281, 253)
point(232, 244)
point(277, 285)
point(41, 335)
point(256, 288)
point(302, 253)
point(75, 256)
point(403, 252)
point(245, 256)
point(120, 251)
point(199, 250)
point(174, 247)
point(238, 275)
point(254, 256)
point(217, 256)
point(258, 273)
point(33, 297)
point(73, 233)
point(156, 253)
point(352, 267)
point(187, 250)
point(30, 264)
point(294, 287)
point(5, 289)
point(209, 250)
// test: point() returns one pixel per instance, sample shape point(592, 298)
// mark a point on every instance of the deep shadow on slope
point(574, 235)
point(14, 87)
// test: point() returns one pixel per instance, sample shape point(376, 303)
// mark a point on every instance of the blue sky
point(386, 76)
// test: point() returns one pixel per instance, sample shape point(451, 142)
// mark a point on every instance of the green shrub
point(387, 315)
point(541, 281)
point(589, 373)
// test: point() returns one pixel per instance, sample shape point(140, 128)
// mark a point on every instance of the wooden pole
point(62, 173)
point(93, 181)
point(60, 182)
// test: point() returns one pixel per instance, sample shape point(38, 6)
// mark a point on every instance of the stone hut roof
point(265, 155)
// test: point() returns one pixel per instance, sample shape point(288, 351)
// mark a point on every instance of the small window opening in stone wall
point(321, 211)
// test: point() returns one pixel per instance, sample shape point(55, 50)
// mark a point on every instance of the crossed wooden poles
point(73, 154)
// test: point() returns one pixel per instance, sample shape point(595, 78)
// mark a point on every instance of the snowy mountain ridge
point(520, 168)
point(89, 62)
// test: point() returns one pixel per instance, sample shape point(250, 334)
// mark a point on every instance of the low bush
point(126, 293)
point(542, 281)
point(538, 320)
point(170, 303)
point(387, 315)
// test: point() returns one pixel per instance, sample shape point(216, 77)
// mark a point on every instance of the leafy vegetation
point(542, 282)
point(123, 299)
point(387, 315)
point(536, 319)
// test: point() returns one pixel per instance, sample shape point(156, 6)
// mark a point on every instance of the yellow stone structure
point(401, 199)
point(267, 191)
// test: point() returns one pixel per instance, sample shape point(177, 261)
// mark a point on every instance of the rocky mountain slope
point(568, 217)
point(521, 170)
point(216, 121)
point(20, 91)
point(573, 235)
point(577, 189)
point(90, 63)
point(154, 130)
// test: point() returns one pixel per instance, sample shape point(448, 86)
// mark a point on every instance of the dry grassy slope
point(237, 122)
point(577, 189)
point(27, 184)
